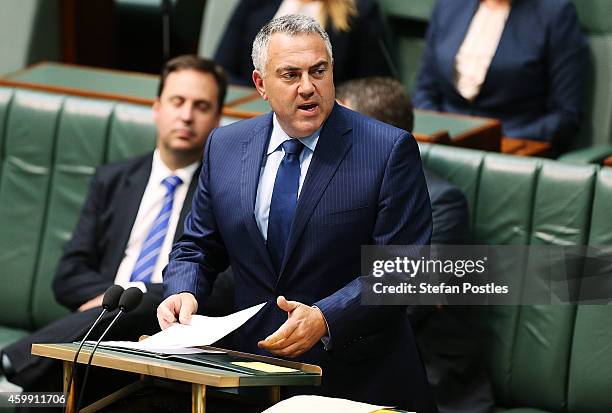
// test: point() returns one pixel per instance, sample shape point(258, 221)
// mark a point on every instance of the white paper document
point(319, 404)
point(179, 338)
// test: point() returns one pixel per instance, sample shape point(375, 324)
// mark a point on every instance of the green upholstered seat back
point(50, 146)
point(595, 20)
point(79, 149)
point(5, 99)
point(545, 357)
point(406, 23)
point(24, 188)
point(542, 344)
point(590, 365)
point(459, 166)
point(132, 132)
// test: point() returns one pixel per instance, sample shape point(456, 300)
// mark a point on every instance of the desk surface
point(86, 81)
point(458, 129)
point(244, 102)
point(183, 371)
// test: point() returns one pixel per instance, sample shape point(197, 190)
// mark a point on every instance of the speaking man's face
point(186, 112)
point(298, 82)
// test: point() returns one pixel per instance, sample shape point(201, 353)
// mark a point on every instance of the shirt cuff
point(138, 284)
point(326, 339)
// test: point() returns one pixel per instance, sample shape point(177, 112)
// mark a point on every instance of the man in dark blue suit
point(288, 199)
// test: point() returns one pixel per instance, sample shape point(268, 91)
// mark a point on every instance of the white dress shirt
point(478, 48)
point(267, 175)
point(150, 206)
point(312, 9)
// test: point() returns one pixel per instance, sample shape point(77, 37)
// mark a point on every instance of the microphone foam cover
point(130, 299)
point(111, 297)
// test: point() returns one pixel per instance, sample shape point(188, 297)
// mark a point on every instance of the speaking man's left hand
point(304, 327)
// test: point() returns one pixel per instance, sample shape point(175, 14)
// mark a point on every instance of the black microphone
point(130, 299)
point(110, 301)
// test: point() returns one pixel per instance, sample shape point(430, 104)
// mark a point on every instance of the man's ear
point(155, 107)
point(344, 102)
point(259, 84)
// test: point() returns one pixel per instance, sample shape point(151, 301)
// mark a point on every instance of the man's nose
point(186, 112)
point(306, 88)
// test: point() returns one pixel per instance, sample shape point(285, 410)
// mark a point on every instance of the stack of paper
point(319, 404)
point(181, 338)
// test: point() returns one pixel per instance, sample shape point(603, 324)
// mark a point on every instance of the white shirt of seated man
point(150, 206)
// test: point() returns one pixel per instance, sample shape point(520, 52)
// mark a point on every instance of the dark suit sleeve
point(450, 217)
point(190, 268)
point(77, 279)
point(566, 65)
point(451, 226)
point(404, 218)
point(427, 94)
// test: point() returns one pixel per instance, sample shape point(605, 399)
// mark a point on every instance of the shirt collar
point(159, 170)
point(279, 136)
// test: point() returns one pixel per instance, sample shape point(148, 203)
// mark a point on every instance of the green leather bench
point(541, 358)
point(49, 148)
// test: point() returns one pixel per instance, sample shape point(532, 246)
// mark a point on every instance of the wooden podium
point(200, 376)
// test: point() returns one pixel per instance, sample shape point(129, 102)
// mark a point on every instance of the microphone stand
point(76, 355)
point(78, 406)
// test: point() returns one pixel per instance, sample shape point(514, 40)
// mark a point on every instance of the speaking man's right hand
point(177, 307)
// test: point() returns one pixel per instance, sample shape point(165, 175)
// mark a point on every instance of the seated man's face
point(298, 82)
point(187, 111)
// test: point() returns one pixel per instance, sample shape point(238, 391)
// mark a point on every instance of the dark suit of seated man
point(444, 335)
point(133, 212)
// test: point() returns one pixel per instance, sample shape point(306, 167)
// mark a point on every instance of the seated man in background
point(133, 212)
point(444, 335)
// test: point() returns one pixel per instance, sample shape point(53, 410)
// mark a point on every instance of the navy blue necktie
point(284, 200)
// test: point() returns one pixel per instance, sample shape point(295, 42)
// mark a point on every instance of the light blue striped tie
point(143, 270)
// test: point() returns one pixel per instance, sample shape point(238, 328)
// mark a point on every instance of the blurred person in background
point(523, 62)
point(354, 27)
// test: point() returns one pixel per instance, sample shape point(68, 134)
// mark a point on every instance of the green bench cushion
point(25, 177)
point(132, 132)
point(10, 335)
point(460, 166)
point(81, 144)
point(590, 372)
point(5, 99)
point(505, 200)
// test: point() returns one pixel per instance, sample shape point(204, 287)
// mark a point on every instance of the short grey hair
point(292, 25)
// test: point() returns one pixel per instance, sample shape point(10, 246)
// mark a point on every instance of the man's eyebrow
point(321, 62)
point(288, 69)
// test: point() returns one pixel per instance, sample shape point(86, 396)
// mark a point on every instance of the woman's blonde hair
point(339, 12)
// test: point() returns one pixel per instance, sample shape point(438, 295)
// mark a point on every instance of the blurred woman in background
point(354, 27)
point(521, 61)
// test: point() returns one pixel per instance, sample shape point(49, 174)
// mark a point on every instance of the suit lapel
point(127, 203)
point(187, 204)
point(506, 37)
point(254, 146)
point(334, 142)
point(459, 30)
